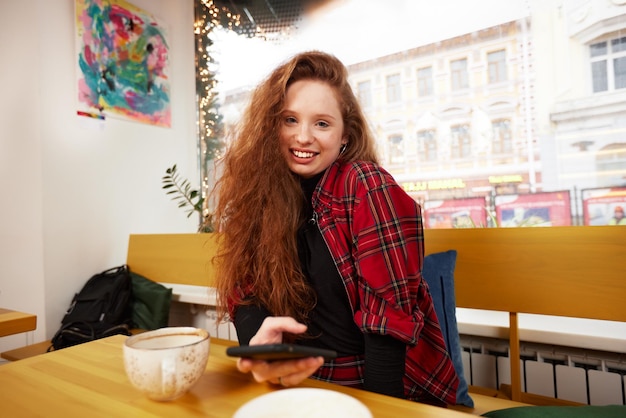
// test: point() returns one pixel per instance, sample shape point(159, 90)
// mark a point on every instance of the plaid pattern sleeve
point(374, 232)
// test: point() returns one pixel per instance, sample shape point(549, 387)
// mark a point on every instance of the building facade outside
point(585, 135)
point(451, 117)
point(510, 125)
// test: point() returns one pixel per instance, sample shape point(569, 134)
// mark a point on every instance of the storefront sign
point(604, 206)
point(534, 209)
point(455, 213)
point(514, 178)
point(419, 186)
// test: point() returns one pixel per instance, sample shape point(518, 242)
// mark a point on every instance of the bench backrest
point(564, 271)
point(173, 258)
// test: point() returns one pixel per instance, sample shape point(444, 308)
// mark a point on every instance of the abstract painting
point(122, 62)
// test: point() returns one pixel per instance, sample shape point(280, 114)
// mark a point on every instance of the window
point(523, 109)
point(393, 88)
point(611, 158)
point(364, 91)
point(425, 82)
point(608, 65)
point(458, 74)
point(496, 66)
point(461, 142)
point(427, 141)
point(502, 137)
point(396, 149)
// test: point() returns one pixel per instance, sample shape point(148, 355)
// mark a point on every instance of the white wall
point(72, 190)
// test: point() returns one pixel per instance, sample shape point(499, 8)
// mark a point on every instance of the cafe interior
point(84, 192)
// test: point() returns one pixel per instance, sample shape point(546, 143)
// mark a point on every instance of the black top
point(331, 322)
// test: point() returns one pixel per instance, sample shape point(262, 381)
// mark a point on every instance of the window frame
point(608, 58)
point(459, 77)
point(498, 66)
point(497, 139)
point(461, 140)
point(425, 85)
point(427, 142)
point(365, 94)
point(393, 88)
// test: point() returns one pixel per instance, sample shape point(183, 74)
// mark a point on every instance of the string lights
point(208, 17)
point(272, 21)
point(269, 20)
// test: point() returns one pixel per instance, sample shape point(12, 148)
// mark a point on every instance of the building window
point(502, 137)
point(608, 65)
point(426, 140)
point(611, 158)
point(461, 143)
point(393, 88)
point(496, 62)
point(425, 81)
point(364, 91)
point(396, 149)
point(458, 74)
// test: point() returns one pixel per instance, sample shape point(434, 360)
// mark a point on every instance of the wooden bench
point(562, 271)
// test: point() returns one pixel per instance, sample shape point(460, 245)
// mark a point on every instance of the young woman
point(320, 246)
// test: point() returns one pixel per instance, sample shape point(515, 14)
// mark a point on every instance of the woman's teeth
point(302, 154)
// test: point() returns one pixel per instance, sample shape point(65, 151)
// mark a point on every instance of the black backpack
point(102, 308)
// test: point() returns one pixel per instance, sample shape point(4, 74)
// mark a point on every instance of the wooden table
point(14, 322)
point(89, 380)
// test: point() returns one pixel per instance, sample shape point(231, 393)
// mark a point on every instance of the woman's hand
point(283, 372)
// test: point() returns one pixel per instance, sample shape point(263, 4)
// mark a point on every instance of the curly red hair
point(259, 200)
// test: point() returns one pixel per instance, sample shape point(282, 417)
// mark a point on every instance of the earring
point(343, 148)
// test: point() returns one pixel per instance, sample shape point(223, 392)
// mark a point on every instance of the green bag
point(150, 303)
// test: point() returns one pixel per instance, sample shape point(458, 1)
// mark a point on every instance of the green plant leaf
point(187, 198)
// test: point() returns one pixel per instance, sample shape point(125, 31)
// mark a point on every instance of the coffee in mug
point(165, 363)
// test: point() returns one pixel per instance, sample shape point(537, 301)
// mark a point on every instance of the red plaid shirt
point(373, 230)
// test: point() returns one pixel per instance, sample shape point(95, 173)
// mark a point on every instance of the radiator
point(569, 373)
point(574, 374)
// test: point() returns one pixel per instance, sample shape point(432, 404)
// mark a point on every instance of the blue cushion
point(438, 271)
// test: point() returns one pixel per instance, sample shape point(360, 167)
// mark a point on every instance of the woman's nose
point(305, 135)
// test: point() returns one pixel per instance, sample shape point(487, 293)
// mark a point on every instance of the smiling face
point(311, 131)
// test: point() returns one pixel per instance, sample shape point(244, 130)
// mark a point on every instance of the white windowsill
point(557, 330)
point(198, 295)
point(570, 332)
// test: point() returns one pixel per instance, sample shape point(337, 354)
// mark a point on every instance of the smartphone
point(269, 352)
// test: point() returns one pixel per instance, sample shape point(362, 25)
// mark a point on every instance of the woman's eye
point(323, 124)
point(290, 119)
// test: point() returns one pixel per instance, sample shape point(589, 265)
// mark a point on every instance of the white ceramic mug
point(165, 363)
